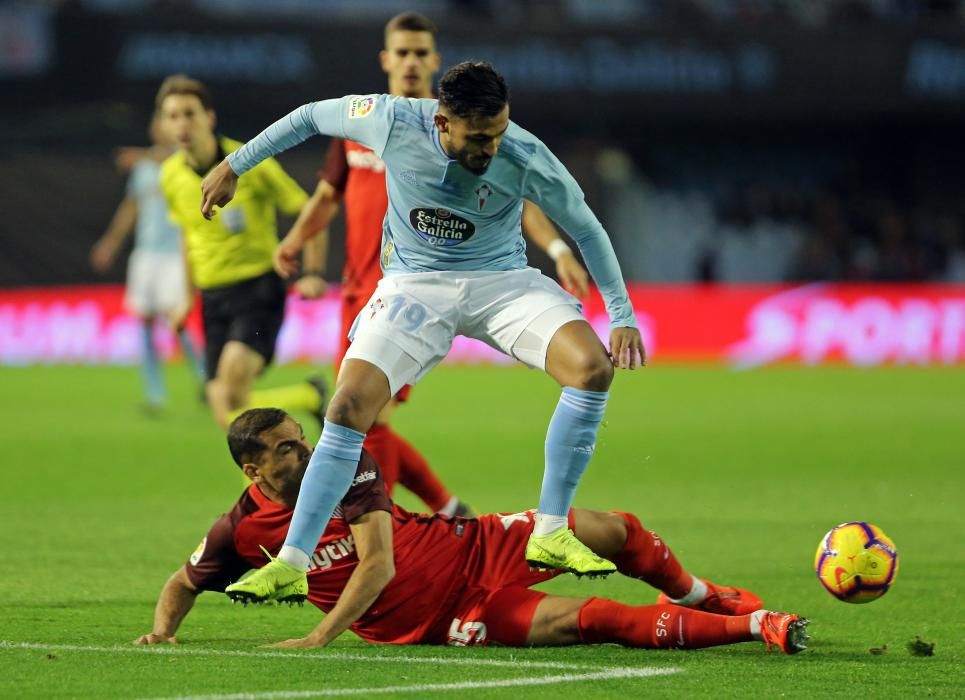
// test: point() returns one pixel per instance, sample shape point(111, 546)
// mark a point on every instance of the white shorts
point(409, 323)
point(155, 283)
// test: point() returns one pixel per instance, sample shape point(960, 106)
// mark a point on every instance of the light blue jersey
point(441, 217)
point(154, 232)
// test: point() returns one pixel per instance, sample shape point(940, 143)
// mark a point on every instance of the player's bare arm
point(541, 231)
point(217, 188)
point(104, 252)
point(176, 600)
point(311, 283)
point(373, 542)
point(311, 225)
point(179, 317)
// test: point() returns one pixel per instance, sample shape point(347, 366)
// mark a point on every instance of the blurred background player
point(396, 578)
point(356, 174)
point(155, 270)
point(230, 260)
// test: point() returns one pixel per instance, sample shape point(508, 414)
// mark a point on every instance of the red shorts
point(499, 607)
point(351, 307)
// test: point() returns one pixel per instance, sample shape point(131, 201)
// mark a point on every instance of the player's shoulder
point(520, 145)
point(413, 111)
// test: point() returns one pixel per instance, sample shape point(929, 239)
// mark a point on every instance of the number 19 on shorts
point(400, 311)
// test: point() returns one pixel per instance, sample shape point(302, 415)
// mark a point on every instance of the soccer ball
point(856, 562)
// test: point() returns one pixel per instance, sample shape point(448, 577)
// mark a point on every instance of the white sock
point(698, 591)
point(450, 507)
point(294, 556)
point(756, 618)
point(545, 524)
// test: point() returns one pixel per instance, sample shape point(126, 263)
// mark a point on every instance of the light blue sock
point(191, 356)
point(570, 441)
point(151, 366)
point(328, 478)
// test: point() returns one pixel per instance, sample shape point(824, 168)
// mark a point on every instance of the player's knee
point(349, 409)
point(595, 373)
point(614, 529)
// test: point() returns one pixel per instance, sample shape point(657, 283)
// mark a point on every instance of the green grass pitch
point(741, 473)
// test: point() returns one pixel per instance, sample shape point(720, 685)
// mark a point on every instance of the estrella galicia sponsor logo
point(440, 226)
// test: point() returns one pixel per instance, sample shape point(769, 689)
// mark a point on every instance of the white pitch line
point(327, 655)
point(604, 675)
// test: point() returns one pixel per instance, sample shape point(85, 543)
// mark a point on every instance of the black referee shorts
point(250, 312)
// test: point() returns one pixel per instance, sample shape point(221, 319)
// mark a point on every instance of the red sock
point(380, 444)
point(417, 476)
point(658, 626)
point(646, 557)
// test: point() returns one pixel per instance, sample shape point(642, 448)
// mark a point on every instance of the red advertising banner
point(745, 326)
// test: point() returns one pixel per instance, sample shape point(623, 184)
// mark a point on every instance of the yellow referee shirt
point(238, 244)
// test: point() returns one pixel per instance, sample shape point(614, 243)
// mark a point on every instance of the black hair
point(243, 441)
point(410, 22)
point(182, 84)
point(473, 89)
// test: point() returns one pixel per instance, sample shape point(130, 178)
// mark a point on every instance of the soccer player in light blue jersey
point(454, 261)
point(155, 271)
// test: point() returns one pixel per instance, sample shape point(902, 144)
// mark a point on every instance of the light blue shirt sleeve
point(550, 185)
point(365, 119)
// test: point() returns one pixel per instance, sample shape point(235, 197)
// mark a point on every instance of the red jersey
point(443, 564)
point(358, 174)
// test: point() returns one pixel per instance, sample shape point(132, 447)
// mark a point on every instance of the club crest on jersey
point(440, 227)
point(483, 192)
point(361, 106)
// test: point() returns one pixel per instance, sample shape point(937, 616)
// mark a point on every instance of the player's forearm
point(604, 268)
point(537, 227)
point(122, 224)
point(314, 218)
point(364, 585)
point(176, 600)
point(315, 254)
point(189, 287)
point(295, 127)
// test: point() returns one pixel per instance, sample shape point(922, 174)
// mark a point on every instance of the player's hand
point(310, 287)
point(102, 257)
point(126, 157)
point(287, 257)
point(572, 275)
point(179, 317)
point(155, 639)
point(217, 189)
point(303, 643)
point(626, 348)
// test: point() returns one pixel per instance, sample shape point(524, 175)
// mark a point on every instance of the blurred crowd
point(541, 13)
point(767, 232)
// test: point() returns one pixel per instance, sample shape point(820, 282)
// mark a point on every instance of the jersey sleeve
point(335, 170)
point(367, 492)
point(286, 193)
point(549, 184)
point(216, 562)
point(365, 119)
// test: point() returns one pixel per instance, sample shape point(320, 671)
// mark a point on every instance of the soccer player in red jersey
point(397, 578)
point(356, 175)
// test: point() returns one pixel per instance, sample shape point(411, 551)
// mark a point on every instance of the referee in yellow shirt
point(230, 258)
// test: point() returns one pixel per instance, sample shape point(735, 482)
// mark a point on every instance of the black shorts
point(250, 312)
